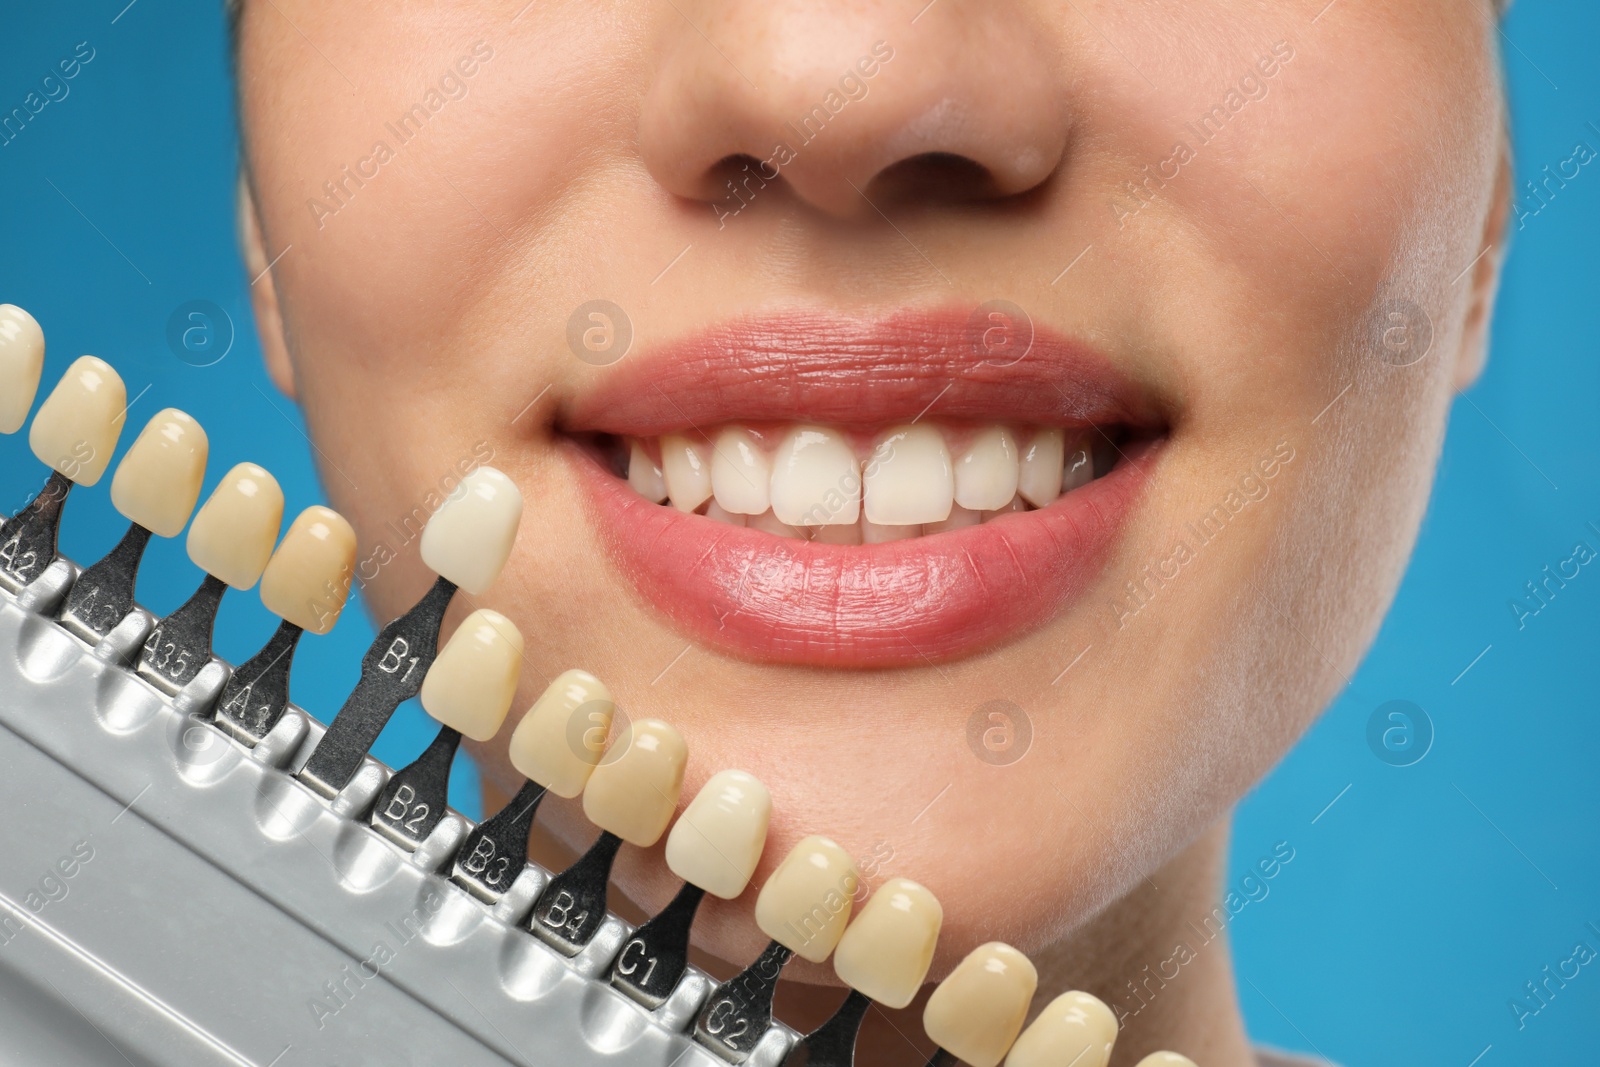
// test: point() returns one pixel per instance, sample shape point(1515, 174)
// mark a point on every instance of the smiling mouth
point(814, 490)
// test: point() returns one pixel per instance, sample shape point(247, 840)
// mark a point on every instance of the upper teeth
point(815, 481)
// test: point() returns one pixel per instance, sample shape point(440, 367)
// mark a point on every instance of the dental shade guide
point(155, 488)
point(1074, 1028)
point(816, 878)
point(466, 542)
point(230, 539)
point(73, 434)
point(977, 1012)
point(467, 690)
point(631, 796)
point(714, 847)
point(306, 583)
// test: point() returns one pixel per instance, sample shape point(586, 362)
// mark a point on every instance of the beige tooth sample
point(232, 535)
point(815, 479)
point(21, 363)
point(469, 538)
point(158, 480)
point(908, 480)
point(308, 577)
point(806, 903)
point(687, 472)
point(1165, 1059)
point(741, 474)
point(1039, 479)
point(644, 476)
point(717, 841)
point(977, 1011)
point(886, 951)
point(1077, 467)
point(1074, 1028)
point(986, 473)
point(470, 685)
point(560, 739)
point(78, 424)
point(634, 791)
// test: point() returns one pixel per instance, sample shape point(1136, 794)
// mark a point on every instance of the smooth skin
point(420, 319)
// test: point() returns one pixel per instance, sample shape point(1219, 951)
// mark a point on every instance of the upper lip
point(823, 367)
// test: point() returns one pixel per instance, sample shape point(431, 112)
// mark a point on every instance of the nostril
point(737, 179)
point(936, 176)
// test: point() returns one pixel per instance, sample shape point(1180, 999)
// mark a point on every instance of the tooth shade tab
point(908, 480)
point(468, 539)
point(78, 424)
point(233, 532)
point(686, 466)
point(1074, 1028)
point(644, 476)
point(1039, 478)
point(717, 841)
point(741, 473)
point(470, 685)
point(816, 480)
point(978, 1010)
point(21, 364)
point(806, 903)
point(561, 738)
point(308, 578)
point(986, 474)
point(158, 481)
point(886, 951)
point(1165, 1059)
point(634, 790)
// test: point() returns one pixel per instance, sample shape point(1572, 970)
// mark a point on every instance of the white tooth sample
point(1074, 1028)
point(468, 540)
point(767, 522)
point(1039, 481)
point(471, 683)
point(873, 534)
point(21, 363)
point(562, 736)
point(78, 424)
point(986, 473)
point(1165, 1059)
point(685, 467)
point(741, 474)
point(717, 841)
point(959, 518)
point(806, 903)
point(634, 790)
point(716, 513)
point(886, 951)
point(232, 534)
point(1077, 466)
point(645, 476)
point(908, 480)
point(308, 577)
point(977, 1011)
point(815, 479)
point(158, 480)
point(836, 535)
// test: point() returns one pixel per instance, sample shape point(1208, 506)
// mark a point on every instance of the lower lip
point(904, 603)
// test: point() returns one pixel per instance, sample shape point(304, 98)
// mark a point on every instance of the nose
point(851, 105)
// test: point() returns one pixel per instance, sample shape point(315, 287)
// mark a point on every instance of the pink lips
point(903, 603)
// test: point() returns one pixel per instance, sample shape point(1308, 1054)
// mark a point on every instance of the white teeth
point(232, 534)
point(634, 791)
point(1039, 482)
point(716, 513)
point(717, 841)
point(21, 363)
point(815, 480)
point(471, 683)
point(767, 522)
point(873, 534)
point(468, 540)
point(959, 517)
point(78, 424)
point(560, 739)
point(308, 577)
point(645, 476)
point(1077, 468)
point(986, 475)
point(908, 479)
point(688, 473)
point(158, 481)
point(741, 474)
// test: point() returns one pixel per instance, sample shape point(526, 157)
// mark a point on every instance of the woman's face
point(1222, 256)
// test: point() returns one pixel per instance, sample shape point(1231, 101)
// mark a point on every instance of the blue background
point(1420, 898)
